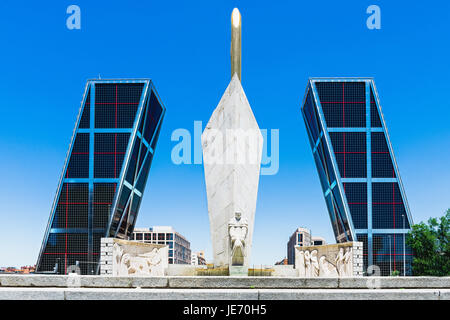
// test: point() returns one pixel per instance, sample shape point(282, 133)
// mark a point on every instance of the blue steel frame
point(369, 83)
point(114, 233)
point(90, 85)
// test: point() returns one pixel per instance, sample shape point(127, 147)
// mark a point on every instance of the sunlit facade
point(301, 237)
point(179, 246)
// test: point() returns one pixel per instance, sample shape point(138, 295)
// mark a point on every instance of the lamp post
point(390, 255)
point(404, 252)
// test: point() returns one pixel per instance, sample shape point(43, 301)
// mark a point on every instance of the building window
point(343, 103)
point(357, 202)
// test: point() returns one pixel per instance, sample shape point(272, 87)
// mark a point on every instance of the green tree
point(430, 244)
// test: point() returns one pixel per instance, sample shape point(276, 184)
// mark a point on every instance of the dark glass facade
point(105, 173)
point(357, 169)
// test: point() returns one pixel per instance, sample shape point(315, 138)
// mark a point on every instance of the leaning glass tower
point(360, 180)
point(105, 173)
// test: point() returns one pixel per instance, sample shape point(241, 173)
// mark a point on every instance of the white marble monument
point(232, 149)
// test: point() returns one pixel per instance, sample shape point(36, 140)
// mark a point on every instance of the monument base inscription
point(238, 271)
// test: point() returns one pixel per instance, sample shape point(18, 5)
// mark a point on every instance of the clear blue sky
point(184, 47)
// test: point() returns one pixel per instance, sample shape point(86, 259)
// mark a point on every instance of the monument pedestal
point(238, 271)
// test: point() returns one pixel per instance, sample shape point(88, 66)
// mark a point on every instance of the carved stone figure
point(339, 260)
point(149, 263)
point(237, 230)
point(136, 265)
point(348, 262)
point(326, 268)
point(301, 264)
point(314, 264)
point(308, 264)
point(117, 254)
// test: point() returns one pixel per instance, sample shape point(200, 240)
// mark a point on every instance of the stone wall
point(125, 258)
point(332, 260)
point(38, 287)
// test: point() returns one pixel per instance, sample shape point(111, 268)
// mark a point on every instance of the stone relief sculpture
point(237, 230)
point(344, 262)
point(314, 264)
point(348, 262)
point(326, 268)
point(149, 263)
point(339, 260)
point(309, 266)
point(301, 265)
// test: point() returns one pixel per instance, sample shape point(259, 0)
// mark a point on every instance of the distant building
point(27, 269)
point(282, 262)
point(22, 270)
point(194, 259)
point(11, 270)
point(301, 237)
point(179, 247)
point(198, 258)
point(318, 241)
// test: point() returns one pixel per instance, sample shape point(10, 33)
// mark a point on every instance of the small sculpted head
point(307, 256)
point(322, 260)
point(314, 255)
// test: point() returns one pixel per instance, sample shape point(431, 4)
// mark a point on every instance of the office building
point(179, 247)
point(318, 241)
point(283, 262)
point(104, 174)
point(301, 237)
point(358, 172)
point(198, 258)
